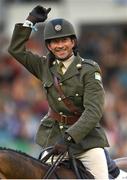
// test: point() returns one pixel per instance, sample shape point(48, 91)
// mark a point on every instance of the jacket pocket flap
point(47, 122)
point(47, 84)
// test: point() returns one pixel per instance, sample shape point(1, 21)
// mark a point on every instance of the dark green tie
point(59, 68)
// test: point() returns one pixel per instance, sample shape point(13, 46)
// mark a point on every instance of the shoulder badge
point(98, 76)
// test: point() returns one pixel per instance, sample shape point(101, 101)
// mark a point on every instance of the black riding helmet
point(58, 28)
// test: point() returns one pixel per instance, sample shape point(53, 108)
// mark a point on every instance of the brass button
point(78, 66)
point(69, 138)
point(54, 62)
point(59, 99)
point(61, 127)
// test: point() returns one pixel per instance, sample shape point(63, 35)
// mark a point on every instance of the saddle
point(79, 169)
point(72, 163)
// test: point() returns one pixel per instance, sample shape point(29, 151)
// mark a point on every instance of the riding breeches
point(95, 162)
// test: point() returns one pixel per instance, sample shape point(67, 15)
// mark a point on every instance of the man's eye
point(64, 40)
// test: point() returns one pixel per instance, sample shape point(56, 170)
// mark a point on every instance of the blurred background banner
point(101, 27)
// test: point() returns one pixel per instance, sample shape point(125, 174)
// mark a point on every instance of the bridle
point(54, 165)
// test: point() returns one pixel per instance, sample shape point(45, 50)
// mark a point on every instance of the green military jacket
point(81, 83)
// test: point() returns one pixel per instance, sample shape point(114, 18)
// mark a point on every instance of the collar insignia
point(54, 62)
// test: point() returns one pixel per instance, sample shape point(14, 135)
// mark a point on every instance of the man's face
point(62, 48)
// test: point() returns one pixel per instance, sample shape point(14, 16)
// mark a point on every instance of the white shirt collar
point(67, 62)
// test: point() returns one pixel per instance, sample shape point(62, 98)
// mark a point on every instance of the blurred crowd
point(23, 103)
point(107, 44)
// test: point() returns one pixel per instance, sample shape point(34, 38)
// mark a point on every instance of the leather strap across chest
point(68, 103)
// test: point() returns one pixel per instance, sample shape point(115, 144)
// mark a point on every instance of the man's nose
point(60, 44)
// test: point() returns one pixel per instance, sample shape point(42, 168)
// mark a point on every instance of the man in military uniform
point(74, 91)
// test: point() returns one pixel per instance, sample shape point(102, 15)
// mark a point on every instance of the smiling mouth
point(59, 50)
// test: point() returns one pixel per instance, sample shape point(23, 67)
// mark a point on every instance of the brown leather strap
point(62, 118)
point(69, 104)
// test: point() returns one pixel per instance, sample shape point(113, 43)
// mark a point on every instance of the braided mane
point(18, 152)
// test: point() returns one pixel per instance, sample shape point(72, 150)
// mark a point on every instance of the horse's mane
point(19, 152)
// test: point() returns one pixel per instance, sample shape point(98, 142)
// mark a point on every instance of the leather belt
point(69, 120)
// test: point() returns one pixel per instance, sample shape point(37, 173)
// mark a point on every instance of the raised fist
point(38, 14)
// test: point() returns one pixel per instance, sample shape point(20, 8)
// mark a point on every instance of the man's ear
point(48, 46)
point(74, 42)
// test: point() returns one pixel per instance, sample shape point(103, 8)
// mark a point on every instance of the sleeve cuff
point(28, 23)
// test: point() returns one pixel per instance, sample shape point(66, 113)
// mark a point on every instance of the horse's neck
point(16, 165)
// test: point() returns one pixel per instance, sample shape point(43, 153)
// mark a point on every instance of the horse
point(15, 164)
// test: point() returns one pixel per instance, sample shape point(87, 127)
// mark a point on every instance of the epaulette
point(89, 61)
